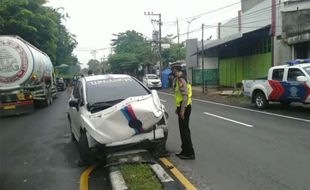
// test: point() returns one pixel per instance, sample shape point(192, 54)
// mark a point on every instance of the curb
point(139, 156)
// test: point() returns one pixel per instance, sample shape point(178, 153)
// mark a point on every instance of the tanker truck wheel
point(51, 97)
point(47, 100)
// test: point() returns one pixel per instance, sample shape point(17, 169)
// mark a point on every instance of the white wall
point(257, 17)
point(282, 52)
point(209, 62)
point(253, 19)
point(229, 28)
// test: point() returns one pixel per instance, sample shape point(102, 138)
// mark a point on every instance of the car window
point(277, 74)
point(113, 89)
point(77, 90)
point(307, 69)
point(293, 73)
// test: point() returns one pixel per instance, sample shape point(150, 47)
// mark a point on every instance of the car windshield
point(110, 90)
point(152, 77)
point(307, 69)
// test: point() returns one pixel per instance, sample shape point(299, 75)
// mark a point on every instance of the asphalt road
point(262, 151)
point(37, 151)
point(244, 149)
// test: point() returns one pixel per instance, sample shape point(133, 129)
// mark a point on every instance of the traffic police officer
point(183, 94)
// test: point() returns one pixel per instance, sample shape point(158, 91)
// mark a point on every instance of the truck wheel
point(46, 102)
point(86, 154)
point(50, 96)
point(260, 100)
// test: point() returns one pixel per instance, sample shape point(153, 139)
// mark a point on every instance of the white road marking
point(227, 119)
point(236, 107)
point(163, 100)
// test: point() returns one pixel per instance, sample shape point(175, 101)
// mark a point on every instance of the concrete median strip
point(187, 184)
point(117, 180)
point(162, 171)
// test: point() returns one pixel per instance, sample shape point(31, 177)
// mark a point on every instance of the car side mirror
point(74, 103)
point(302, 79)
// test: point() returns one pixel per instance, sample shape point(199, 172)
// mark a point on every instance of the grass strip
point(140, 177)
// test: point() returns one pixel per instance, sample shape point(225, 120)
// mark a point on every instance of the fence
point(211, 77)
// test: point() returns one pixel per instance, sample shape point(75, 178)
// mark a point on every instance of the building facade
point(264, 34)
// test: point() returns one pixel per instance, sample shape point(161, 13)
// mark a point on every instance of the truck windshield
point(307, 69)
point(108, 90)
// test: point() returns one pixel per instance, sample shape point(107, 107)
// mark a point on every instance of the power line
point(253, 14)
point(246, 15)
point(92, 49)
point(208, 12)
point(269, 7)
point(198, 29)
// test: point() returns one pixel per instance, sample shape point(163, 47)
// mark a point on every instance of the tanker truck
point(26, 77)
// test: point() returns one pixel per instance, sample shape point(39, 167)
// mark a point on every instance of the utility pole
point(159, 40)
point(273, 29)
point(202, 61)
point(178, 32)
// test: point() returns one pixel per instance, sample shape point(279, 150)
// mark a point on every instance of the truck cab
point(285, 84)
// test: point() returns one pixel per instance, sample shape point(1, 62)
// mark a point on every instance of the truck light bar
point(298, 61)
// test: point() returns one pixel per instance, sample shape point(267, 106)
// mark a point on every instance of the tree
point(174, 53)
point(123, 63)
point(39, 25)
point(95, 66)
point(131, 51)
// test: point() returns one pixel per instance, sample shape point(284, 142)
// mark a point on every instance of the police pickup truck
point(285, 84)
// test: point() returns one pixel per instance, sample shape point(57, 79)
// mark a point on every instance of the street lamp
point(189, 22)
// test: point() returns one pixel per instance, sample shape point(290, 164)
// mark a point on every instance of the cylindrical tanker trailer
point(26, 76)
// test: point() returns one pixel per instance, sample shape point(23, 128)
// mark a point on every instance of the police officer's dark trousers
point(187, 146)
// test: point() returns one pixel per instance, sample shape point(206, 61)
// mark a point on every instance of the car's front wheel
point(86, 154)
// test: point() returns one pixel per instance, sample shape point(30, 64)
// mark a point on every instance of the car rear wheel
point(86, 154)
point(260, 100)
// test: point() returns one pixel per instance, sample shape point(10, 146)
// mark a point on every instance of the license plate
point(9, 107)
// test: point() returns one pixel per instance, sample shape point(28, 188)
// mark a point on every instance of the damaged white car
point(115, 111)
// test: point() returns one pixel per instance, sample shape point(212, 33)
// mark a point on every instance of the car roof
point(107, 76)
point(292, 66)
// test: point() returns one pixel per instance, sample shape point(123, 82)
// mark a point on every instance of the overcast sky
point(94, 21)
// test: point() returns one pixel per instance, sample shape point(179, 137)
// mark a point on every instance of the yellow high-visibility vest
point(179, 97)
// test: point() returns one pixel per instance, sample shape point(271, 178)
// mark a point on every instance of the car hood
point(133, 116)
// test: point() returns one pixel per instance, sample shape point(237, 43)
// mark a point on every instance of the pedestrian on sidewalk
point(183, 94)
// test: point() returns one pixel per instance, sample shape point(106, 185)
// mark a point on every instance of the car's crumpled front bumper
point(127, 122)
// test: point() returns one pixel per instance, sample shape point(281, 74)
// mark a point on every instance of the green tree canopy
point(174, 53)
point(95, 66)
point(39, 25)
point(131, 51)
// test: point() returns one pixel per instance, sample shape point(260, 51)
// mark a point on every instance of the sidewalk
point(220, 95)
